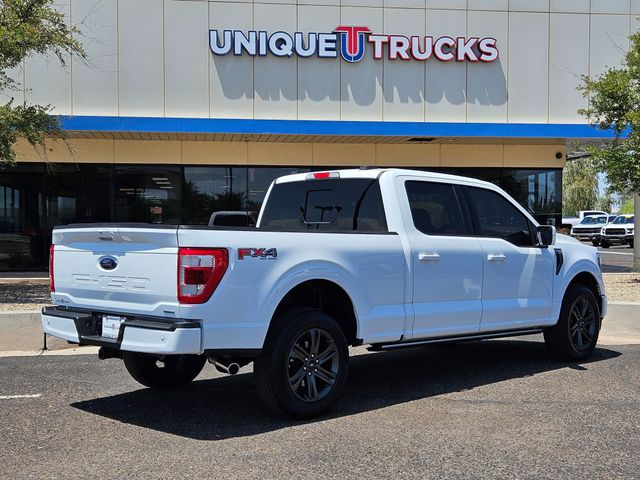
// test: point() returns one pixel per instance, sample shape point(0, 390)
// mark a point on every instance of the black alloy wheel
point(304, 363)
point(582, 323)
point(313, 365)
point(575, 335)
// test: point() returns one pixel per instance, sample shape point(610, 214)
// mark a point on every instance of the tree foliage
point(579, 186)
point(29, 27)
point(626, 206)
point(614, 103)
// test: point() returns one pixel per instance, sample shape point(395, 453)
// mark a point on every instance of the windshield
point(620, 220)
point(588, 220)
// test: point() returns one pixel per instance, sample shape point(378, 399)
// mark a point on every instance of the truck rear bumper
point(136, 334)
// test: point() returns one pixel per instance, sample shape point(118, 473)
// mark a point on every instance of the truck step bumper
point(137, 334)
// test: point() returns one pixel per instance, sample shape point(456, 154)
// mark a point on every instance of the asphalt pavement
point(616, 259)
point(493, 409)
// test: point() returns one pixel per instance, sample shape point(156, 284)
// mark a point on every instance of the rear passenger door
point(517, 284)
point(446, 260)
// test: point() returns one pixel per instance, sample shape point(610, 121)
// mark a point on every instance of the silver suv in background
point(590, 227)
point(618, 232)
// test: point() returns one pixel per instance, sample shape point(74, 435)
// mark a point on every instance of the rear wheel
point(575, 335)
point(303, 367)
point(164, 371)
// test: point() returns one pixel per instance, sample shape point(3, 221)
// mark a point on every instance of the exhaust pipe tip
point(230, 369)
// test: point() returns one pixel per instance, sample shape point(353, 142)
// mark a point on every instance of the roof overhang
point(255, 130)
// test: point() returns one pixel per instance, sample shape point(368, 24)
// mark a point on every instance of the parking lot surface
point(491, 409)
point(616, 259)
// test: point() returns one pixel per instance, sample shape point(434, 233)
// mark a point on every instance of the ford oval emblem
point(108, 263)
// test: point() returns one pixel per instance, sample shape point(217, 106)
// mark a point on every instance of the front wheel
point(604, 244)
point(163, 371)
point(575, 335)
point(595, 242)
point(631, 243)
point(303, 367)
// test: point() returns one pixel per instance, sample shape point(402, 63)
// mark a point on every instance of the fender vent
point(559, 259)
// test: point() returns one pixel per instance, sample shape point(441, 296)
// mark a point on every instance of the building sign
point(350, 43)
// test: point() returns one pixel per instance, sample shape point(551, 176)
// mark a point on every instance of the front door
point(517, 286)
point(446, 260)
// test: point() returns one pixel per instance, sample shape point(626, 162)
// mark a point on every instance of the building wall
point(299, 154)
point(151, 58)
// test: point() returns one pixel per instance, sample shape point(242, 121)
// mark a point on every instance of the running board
point(458, 338)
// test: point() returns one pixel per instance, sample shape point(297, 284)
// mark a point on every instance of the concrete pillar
point(636, 233)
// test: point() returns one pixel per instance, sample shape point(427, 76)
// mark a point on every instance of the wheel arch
point(324, 295)
point(588, 280)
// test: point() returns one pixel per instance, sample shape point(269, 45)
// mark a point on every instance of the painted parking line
point(12, 397)
point(615, 253)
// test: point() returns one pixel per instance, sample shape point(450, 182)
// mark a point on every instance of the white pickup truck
point(385, 257)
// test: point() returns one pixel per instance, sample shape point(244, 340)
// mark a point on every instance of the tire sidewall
point(573, 293)
point(279, 356)
point(183, 370)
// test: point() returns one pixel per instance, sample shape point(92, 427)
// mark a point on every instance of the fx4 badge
point(261, 253)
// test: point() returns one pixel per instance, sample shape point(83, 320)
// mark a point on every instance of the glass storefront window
point(22, 239)
point(34, 198)
point(212, 189)
point(147, 194)
point(537, 190)
point(78, 193)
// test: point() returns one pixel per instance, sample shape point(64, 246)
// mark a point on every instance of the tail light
point(52, 285)
point(199, 272)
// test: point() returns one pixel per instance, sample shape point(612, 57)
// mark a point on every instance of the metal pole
point(636, 233)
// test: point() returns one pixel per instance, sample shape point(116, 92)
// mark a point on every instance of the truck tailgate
point(127, 269)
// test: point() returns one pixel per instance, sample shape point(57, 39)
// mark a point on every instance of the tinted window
point(497, 217)
point(621, 220)
point(434, 208)
point(335, 205)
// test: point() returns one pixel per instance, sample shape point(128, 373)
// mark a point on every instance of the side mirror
point(546, 235)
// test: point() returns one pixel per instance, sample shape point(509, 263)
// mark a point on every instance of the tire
point(595, 242)
point(575, 335)
point(163, 372)
point(297, 337)
point(631, 243)
point(604, 244)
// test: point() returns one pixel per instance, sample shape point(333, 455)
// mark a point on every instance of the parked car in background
point(618, 232)
point(568, 222)
point(232, 219)
point(590, 227)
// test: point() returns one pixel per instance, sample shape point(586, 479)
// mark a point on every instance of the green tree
point(30, 27)
point(579, 186)
point(605, 202)
point(614, 103)
point(626, 206)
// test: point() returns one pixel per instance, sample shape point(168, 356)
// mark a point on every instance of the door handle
point(428, 257)
point(496, 257)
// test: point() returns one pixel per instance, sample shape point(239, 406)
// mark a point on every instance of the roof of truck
point(376, 172)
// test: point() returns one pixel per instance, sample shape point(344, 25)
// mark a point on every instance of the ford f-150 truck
point(385, 257)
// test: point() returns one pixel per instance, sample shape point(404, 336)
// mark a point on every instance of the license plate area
point(111, 326)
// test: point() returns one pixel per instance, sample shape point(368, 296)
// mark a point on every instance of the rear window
point(339, 205)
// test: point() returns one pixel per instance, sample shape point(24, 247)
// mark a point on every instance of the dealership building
point(185, 107)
